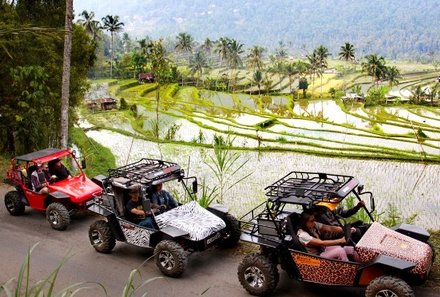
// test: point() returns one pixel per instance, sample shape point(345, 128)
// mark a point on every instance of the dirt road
point(211, 273)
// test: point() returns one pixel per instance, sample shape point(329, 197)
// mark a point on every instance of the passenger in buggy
point(328, 212)
point(162, 198)
point(309, 235)
point(136, 212)
point(39, 181)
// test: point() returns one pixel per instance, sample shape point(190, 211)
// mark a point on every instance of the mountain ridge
point(395, 29)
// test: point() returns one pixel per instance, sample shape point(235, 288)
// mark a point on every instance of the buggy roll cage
point(149, 172)
point(308, 188)
point(301, 188)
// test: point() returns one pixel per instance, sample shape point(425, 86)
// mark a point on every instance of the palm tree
point(87, 21)
point(207, 45)
point(374, 66)
point(418, 94)
point(257, 78)
point(347, 52)
point(112, 24)
point(322, 55)
point(197, 63)
point(392, 74)
point(255, 57)
point(234, 59)
point(185, 43)
point(313, 66)
point(222, 48)
point(65, 87)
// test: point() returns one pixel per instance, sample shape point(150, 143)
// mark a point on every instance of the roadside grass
point(99, 158)
point(24, 286)
point(434, 277)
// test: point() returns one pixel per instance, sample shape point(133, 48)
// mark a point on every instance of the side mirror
point(194, 186)
point(83, 164)
point(360, 188)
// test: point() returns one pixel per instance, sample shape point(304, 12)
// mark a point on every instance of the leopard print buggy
point(380, 240)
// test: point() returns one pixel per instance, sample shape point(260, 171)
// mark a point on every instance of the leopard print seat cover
point(192, 218)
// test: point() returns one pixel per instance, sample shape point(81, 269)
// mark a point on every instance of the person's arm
point(345, 213)
point(319, 242)
point(328, 228)
point(308, 240)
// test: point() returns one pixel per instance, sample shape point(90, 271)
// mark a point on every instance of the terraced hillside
point(275, 123)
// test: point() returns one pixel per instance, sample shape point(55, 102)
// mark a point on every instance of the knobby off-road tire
point(170, 258)
point(258, 275)
point(232, 232)
point(58, 216)
point(13, 203)
point(388, 286)
point(101, 237)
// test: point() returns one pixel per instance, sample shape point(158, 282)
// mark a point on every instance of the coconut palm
point(417, 94)
point(207, 45)
point(185, 43)
point(374, 66)
point(257, 78)
point(65, 81)
point(222, 48)
point(322, 55)
point(113, 25)
point(197, 63)
point(87, 21)
point(313, 68)
point(347, 52)
point(234, 59)
point(255, 57)
point(392, 74)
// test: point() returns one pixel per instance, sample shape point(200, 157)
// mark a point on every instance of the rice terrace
point(257, 116)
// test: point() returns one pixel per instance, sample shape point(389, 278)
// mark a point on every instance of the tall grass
point(225, 165)
point(45, 287)
point(23, 287)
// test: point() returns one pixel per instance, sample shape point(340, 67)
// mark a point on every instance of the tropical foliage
point(32, 58)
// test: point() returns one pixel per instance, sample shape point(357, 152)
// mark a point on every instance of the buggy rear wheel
point(170, 258)
point(58, 216)
point(13, 203)
point(101, 237)
point(232, 233)
point(258, 275)
point(388, 286)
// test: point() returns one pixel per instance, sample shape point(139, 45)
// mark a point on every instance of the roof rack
point(148, 171)
point(310, 186)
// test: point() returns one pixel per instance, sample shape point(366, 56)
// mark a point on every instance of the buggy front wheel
point(101, 237)
point(388, 286)
point(258, 275)
point(170, 258)
point(58, 216)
